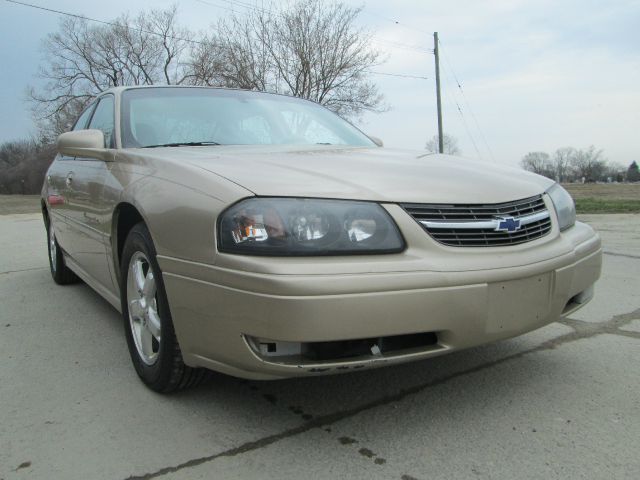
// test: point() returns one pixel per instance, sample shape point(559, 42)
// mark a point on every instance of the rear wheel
point(61, 274)
point(148, 326)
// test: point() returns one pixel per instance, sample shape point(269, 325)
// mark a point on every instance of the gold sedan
point(262, 236)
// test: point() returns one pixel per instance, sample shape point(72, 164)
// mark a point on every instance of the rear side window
point(103, 119)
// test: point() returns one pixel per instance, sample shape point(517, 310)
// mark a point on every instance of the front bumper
point(216, 309)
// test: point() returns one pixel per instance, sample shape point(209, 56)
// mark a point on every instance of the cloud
point(537, 74)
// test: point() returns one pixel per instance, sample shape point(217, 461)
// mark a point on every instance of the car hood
point(377, 174)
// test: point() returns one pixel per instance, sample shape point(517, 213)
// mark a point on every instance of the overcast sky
point(536, 74)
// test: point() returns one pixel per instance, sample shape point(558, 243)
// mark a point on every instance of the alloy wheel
point(144, 319)
point(53, 250)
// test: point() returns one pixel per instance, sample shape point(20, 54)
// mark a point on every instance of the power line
point(253, 7)
point(247, 5)
point(375, 39)
point(396, 22)
point(402, 46)
point(215, 5)
point(113, 24)
point(466, 101)
point(455, 105)
point(103, 22)
point(59, 12)
point(466, 127)
point(237, 3)
point(401, 75)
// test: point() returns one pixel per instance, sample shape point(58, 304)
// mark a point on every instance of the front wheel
point(148, 326)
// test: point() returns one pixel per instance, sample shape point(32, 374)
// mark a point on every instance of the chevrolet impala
point(264, 237)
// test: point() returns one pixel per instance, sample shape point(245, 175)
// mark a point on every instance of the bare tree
point(450, 144)
point(538, 162)
point(233, 56)
point(589, 164)
point(83, 59)
point(562, 160)
point(58, 121)
point(311, 50)
point(613, 172)
point(23, 164)
point(633, 172)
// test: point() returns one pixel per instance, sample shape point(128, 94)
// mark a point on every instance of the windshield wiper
point(182, 144)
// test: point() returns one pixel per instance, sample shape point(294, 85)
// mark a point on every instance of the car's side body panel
point(55, 192)
point(89, 214)
point(179, 203)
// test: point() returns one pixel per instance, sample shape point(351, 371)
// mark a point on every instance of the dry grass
point(19, 204)
point(608, 191)
point(606, 197)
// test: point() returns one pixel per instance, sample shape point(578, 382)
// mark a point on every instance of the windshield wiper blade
point(182, 144)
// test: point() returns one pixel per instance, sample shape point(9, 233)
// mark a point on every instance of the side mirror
point(376, 140)
point(83, 143)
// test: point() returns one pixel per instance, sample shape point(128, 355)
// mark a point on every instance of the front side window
point(81, 123)
point(169, 116)
point(103, 119)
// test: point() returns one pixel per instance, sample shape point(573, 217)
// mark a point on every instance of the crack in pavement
point(23, 270)
point(581, 330)
point(612, 327)
point(616, 254)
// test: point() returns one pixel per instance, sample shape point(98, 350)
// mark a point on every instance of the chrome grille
point(483, 225)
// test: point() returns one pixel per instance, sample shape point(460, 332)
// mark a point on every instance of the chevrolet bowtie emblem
point(508, 224)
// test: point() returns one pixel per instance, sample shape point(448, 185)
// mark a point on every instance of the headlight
point(564, 205)
point(298, 227)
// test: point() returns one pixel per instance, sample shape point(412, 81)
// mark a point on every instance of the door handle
point(69, 179)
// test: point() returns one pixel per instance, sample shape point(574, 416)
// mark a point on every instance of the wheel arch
point(45, 212)
point(125, 217)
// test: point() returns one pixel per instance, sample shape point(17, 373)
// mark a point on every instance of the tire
point(148, 327)
point(60, 273)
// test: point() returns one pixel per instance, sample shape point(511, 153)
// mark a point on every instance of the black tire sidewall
point(58, 273)
point(158, 375)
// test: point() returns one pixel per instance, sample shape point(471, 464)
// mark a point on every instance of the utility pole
point(436, 53)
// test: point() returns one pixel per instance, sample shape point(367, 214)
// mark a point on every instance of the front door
point(60, 178)
point(90, 215)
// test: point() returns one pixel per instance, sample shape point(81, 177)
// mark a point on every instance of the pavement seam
point(582, 330)
point(23, 270)
point(626, 255)
point(611, 327)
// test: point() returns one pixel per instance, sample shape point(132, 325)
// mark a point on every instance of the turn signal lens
point(564, 205)
point(249, 229)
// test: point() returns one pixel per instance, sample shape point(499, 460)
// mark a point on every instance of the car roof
point(118, 90)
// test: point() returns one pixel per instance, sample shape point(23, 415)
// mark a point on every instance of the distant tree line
point(569, 164)
point(23, 164)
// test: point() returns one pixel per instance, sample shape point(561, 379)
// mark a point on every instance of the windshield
point(155, 117)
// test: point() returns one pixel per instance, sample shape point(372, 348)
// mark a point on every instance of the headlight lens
point(564, 205)
point(299, 227)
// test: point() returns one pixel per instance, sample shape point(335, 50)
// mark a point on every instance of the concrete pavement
point(560, 402)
